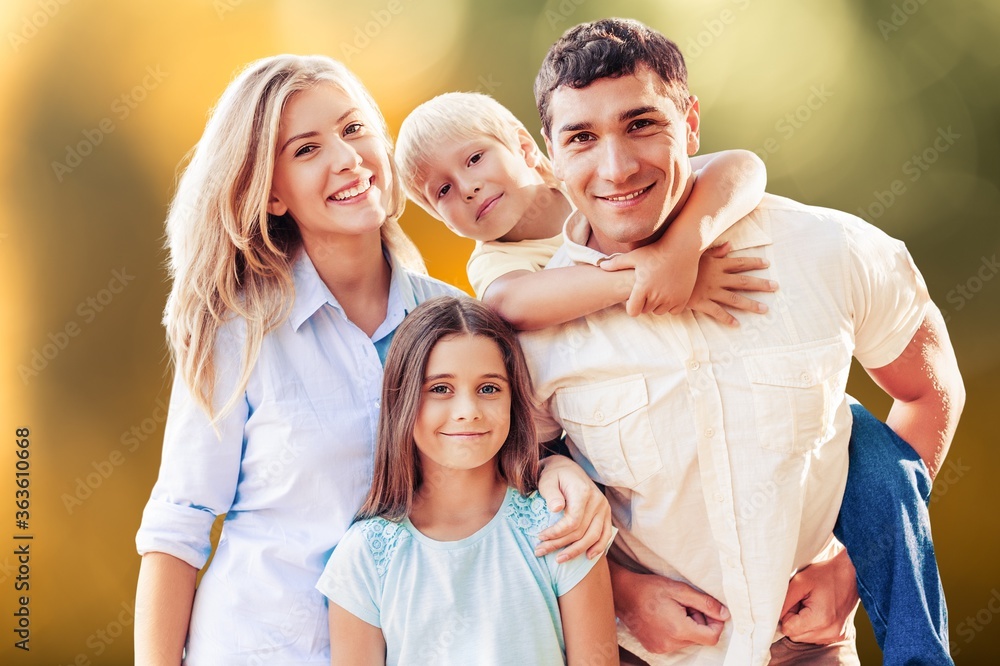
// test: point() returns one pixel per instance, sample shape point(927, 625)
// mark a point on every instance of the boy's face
point(621, 147)
point(479, 187)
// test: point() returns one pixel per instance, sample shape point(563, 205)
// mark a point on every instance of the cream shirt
point(493, 259)
point(725, 451)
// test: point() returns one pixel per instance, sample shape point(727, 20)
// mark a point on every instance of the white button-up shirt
point(290, 466)
point(725, 451)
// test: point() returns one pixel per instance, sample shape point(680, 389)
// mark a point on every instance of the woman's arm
point(354, 642)
point(730, 185)
point(588, 619)
point(163, 601)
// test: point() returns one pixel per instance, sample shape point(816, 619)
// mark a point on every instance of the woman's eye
point(443, 191)
point(475, 158)
point(353, 128)
point(305, 150)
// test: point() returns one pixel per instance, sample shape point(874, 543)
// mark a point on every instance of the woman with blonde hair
point(290, 275)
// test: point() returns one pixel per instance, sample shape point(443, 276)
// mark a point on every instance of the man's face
point(621, 146)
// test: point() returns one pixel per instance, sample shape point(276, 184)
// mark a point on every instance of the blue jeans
point(885, 525)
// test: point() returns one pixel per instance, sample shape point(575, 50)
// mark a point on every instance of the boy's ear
point(556, 166)
point(693, 120)
point(529, 149)
point(275, 206)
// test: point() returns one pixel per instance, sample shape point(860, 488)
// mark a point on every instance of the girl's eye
point(490, 389)
point(443, 191)
point(475, 159)
point(353, 128)
point(305, 150)
point(438, 388)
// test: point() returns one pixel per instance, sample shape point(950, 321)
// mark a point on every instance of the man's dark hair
point(609, 48)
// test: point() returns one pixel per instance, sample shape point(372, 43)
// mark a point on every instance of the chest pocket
point(796, 392)
point(609, 423)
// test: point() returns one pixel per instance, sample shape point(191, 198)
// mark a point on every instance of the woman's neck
point(455, 504)
point(544, 218)
point(357, 274)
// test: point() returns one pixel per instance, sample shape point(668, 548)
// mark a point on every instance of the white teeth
point(361, 188)
point(627, 197)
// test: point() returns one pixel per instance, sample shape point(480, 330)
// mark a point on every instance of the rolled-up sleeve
point(200, 465)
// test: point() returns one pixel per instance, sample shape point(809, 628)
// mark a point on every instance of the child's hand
point(664, 279)
point(721, 278)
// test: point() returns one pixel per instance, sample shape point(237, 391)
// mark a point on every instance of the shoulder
point(426, 287)
point(376, 539)
point(529, 514)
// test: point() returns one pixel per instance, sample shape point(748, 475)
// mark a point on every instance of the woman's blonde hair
point(228, 256)
point(462, 116)
point(398, 474)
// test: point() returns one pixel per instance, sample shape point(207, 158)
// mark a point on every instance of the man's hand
point(665, 615)
point(586, 525)
point(820, 601)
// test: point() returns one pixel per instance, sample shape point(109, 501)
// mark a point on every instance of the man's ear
point(693, 120)
point(275, 206)
point(556, 166)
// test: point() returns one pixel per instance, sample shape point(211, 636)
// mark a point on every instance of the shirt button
point(710, 433)
point(598, 416)
point(719, 497)
point(805, 377)
point(694, 365)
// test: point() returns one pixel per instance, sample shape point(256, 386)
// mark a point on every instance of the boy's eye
point(443, 191)
point(475, 159)
point(353, 128)
point(306, 149)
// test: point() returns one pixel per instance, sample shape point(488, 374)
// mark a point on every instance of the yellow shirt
point(493, 259)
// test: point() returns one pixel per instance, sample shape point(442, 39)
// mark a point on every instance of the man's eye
point(582, 137)
point(443, 191)
point(642, 123)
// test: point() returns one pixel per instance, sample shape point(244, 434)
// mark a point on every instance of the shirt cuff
point(181, 531)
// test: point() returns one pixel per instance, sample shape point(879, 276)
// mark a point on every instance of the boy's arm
point(354, 642)
point(588, 619)
point(730, 185)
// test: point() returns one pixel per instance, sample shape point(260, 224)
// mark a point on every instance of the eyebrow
point(622, 117)
point(306, 135)
point(490, 375)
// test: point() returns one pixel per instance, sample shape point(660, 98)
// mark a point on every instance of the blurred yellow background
point(888, 109)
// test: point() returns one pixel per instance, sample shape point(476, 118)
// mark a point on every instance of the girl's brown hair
point(398, 473)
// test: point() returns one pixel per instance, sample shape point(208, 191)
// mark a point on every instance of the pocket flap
point(604, 402)
point(800, 367)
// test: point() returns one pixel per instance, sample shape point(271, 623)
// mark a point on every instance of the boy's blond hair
point(462, 116)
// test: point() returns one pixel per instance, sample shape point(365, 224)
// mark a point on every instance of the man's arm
point(927, 390)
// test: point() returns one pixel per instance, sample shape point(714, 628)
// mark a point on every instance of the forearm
point(163, 600)
point(928, 425)
point(531, 301)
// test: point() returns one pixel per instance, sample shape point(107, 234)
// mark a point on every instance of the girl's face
point(331, 170)
point(464, 413)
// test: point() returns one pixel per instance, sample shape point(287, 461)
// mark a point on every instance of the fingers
point(590, 539)
point(715, 311)
point(603, 540)
point(548, 488)
point(719, 251)
point(742, 264)
point(699, 601)
point(738, 301)
point(636, 302)
point(744, 282)
point(563, 533)
point(617, 263)
point(707, 634)
point(797, 625)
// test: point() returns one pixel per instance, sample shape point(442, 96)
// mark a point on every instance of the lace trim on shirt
point(530, 514)
point(383, 537)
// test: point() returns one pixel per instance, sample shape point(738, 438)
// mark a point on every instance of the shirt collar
point(746, 233)
point(311, 293)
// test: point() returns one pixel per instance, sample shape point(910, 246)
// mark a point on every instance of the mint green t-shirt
point(485, 599)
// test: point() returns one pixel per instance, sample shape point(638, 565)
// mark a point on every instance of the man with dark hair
point(725, 451)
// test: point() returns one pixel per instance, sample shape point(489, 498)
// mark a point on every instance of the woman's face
point(331, 170)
